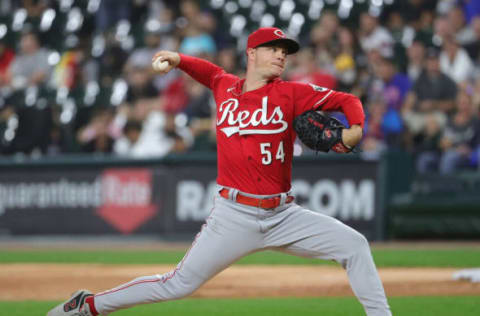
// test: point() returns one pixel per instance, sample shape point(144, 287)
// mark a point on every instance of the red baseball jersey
point(254, 129)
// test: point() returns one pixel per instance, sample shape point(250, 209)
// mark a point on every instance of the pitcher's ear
point(250, 51)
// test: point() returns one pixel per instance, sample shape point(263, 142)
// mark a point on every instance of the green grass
point(465, 257)
point(411, 306)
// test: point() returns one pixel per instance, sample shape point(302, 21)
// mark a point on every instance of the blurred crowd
point(76, 76)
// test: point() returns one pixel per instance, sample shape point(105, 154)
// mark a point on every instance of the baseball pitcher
point(257, 120)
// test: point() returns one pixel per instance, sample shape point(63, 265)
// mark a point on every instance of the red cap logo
point(279, 33)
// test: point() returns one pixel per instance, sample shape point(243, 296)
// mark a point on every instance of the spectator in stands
point(475, 88)
point(473, 48)
point(27, 127)
point(198, 43)
point(373, 143)
point(323, 38)
point(160, 11)
point(6, 57)
point(8, 120)
point(200, 100)
point(111, 63)
point(200, 110)
point(432, 92)
point(227, 59)
point(110, 12)
point(30, 66)
point(56, 144)
point(306, 70)
point(95, 137)
point(397, 27)
point(196, 18)
point(376, 43)
point(153, 40)
point(197, 34)
point(455, 62)
point(74, 69)
point(151, 133)
point(391, 86)
point(471, 9)
point(402, 35)
point(330, 23)
point(140, 59)
point(345, 58)
point(374, 37)
point(441, 30)
point(427, 148)
point(460, 137)
point(414, 12)
point(462, 32)
point(125, 145)
point(7, 7)
point(140, 84)
point(174, 98)
point(35, 8)
point(423, 29)
point(416, 59)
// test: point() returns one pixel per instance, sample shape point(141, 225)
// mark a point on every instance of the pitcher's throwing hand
point(164, 61)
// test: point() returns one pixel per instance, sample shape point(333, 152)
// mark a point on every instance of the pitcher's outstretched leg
point(363, 275)
point(325, 237)
point(210, 253)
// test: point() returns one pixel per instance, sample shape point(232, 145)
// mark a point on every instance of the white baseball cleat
point(74, 306)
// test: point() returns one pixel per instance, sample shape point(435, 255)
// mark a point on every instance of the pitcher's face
point(270, 60)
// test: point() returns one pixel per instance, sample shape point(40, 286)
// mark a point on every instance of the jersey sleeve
point(312, 97)
point(201, 70)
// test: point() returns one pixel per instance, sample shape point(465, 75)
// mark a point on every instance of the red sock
point(90, 301)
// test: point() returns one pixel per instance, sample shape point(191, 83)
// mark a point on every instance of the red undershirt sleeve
point(199, 69)
point(347, 103)
point(308, 97)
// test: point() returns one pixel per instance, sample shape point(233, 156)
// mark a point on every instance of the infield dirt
point(57, 281)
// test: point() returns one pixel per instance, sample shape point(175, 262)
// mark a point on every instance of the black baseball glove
point(320, 132)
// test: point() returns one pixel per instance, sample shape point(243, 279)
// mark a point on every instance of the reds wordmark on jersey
point(254, 129)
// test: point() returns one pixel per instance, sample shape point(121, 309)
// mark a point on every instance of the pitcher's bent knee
point(357, 243)
point(181, 291)
point(360, 241)
point(179, 286)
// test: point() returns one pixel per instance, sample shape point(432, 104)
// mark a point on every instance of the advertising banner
point(345, 190)
point(80, 201)
point(168, 200)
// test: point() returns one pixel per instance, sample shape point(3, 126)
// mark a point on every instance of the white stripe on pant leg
point(148, 289)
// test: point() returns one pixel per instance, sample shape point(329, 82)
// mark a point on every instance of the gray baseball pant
point(233, 231)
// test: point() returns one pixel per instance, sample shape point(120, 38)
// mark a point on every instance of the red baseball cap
point(271, 35)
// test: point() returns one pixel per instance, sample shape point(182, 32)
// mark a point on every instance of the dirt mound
point(57, 281)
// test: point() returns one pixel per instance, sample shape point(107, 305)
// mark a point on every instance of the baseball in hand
point(159, 65)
